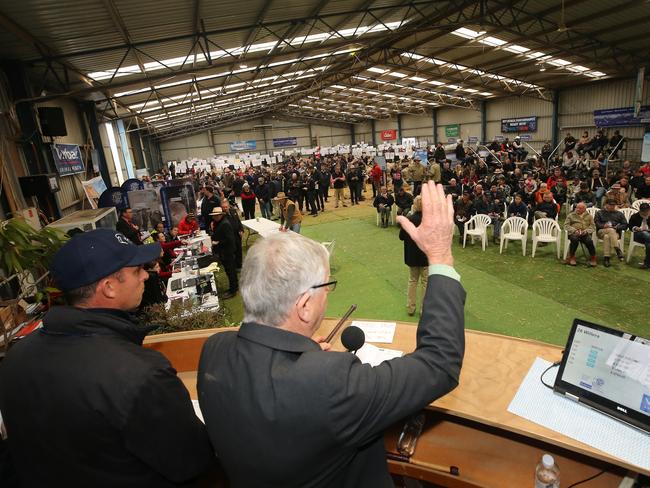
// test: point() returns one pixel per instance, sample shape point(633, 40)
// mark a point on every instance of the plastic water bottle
point(547, 474)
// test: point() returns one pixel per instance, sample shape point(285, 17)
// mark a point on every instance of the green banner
point(452, 130)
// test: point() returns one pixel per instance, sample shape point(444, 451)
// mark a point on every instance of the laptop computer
point(609, 371)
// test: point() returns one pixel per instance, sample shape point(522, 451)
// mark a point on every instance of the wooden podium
point(469, 428)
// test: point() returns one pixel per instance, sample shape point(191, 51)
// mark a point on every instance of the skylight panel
point(492, 41)
point(577, 68)
point(417, 78)
point(558, 62)
point(436, 82)
point(514, 48)
point(467, 33)
point(534, 55)
point(397, 74)
point(486, 94)
point(376, 70)
point(455, 87)
point(595, 74)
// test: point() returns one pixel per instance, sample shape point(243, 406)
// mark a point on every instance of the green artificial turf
point(506, 294)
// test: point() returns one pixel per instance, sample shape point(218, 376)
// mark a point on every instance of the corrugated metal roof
point(595, 36)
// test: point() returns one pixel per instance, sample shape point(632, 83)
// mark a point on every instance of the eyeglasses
point(331, 285)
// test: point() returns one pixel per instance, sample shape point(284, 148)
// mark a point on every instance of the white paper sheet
point(374, 355)
point(197, 410)
point(534, 402)
point(377, 331)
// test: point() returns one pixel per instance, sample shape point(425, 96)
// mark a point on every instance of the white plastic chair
point(631, 246)
point(628, 212)
point(514, 229)
point(637, 203)
point(593, 211)
point(477, 227)
point(391, 217)
point(546, 230)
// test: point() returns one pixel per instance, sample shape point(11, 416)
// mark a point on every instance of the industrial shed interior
point(164, 117)
point(192, 78)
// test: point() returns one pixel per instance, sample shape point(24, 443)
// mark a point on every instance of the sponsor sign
point(285, 142)
point(67, 159)
point(613, 117)
point(524, 124)
point(452, 131)
point(472, 139)
point(388, 135)
point(243, 145)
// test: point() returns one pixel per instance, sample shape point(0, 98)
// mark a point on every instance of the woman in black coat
point(415, 259)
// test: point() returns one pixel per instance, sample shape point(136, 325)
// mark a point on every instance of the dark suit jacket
point(413, 255)
point(282, 413)
point(129, 231)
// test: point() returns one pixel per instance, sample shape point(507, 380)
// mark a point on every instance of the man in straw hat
point(290, 216)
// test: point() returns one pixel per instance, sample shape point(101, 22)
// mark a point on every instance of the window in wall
point(114, 152)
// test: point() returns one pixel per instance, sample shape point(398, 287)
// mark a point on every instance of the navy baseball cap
point(88, 257)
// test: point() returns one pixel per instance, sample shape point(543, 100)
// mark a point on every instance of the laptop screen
point(608, 370)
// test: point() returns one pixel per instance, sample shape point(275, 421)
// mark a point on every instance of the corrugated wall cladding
point(70, 194)
point(577, 105)
point(515, 107)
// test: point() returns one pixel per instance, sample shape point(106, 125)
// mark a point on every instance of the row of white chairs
point(543, 230)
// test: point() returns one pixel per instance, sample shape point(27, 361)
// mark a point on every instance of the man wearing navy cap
point(84, 404)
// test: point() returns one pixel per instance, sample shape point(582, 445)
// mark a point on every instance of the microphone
point(353, 338)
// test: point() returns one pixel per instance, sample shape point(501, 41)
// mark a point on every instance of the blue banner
point(67, 159)
point(524, 124)
point(285, 142)
point(613, 117)
point(243, 145)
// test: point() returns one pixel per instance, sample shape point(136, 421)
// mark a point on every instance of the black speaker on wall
point(38, 185)
point(52, 121)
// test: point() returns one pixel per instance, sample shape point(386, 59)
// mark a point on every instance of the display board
point(523, 124)
point(67, 159)
point(285, 141)
point(388, 135)
point(613, 117)
point(243, 145)
point(452, 130)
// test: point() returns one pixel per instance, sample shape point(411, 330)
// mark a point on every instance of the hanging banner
point(243, 145)
point(285, 142)
point(388, 135)
point(67, 159)
point(472, 139)
point(452, 130)
point(616, 117)
point(526, 137)
point(524, 124)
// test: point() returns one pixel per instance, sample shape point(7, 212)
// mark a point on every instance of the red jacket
point(376, 173)
point(186, 228)
point(247, 196)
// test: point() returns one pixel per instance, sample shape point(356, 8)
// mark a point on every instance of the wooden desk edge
point(563, 442)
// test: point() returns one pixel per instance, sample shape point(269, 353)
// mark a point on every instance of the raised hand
point(435, 233)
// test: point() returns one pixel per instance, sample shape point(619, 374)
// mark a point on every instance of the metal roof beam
point(214, 32)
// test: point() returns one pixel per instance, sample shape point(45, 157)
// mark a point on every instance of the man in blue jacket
point(83, 402)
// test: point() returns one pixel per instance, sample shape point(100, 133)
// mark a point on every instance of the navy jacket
point(86, 405)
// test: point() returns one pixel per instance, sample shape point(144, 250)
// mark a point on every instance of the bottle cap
point(548, 461)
